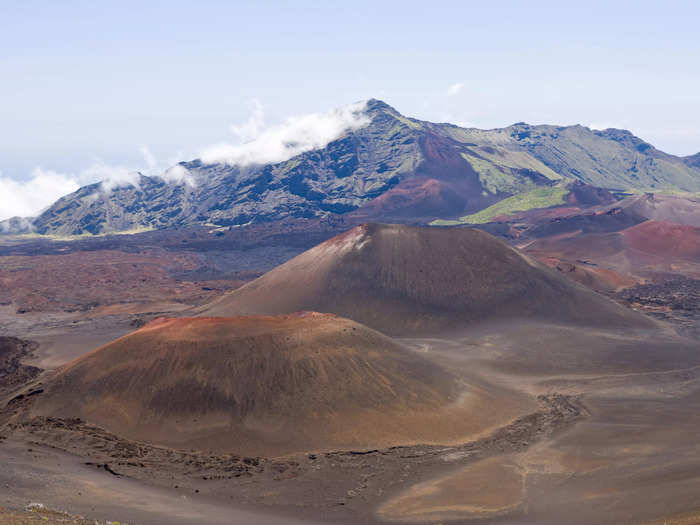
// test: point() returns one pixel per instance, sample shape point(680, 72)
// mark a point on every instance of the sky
point(93, 89)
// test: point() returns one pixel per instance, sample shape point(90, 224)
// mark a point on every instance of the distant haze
point(98, 91)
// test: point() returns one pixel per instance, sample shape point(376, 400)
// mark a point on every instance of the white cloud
point(178, 174)
point(16, 225)
point(454, 89)
point(27, 198)
point(258, 144)
point(110, 176)
point(252, 127)
point(175, 173)
point(148, 157)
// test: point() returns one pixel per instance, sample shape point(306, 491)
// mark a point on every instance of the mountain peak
point(377, 164)
point(376, 106)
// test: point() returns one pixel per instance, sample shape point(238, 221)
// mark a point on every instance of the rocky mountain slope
point(611, 158)
point(393, 168)
point(693, 160)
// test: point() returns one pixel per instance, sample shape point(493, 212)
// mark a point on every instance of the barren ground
point(609, 432)
point(601, 427)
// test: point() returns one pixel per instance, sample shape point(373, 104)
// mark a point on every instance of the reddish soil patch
point(600, 279)
point(666, 239)
point(649, 251)
point(261, 385)
point(418, 196)
point(85, 280)
point(444, 185)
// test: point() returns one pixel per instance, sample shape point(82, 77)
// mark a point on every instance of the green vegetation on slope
point(503, 171)
point(537, 198)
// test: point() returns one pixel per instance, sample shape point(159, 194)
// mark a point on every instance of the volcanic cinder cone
point(262, 385)
point(409, 280)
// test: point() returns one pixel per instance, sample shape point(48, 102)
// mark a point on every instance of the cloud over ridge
point(258, 144)
point(254, 143)
point(29, 197)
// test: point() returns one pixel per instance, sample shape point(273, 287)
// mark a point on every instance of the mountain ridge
point(393, 168)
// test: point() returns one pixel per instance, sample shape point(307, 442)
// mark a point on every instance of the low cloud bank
point(16, 225)
point(109, 176)
point(258, 144)
point(255, 143)
point(178, 174)
point(28, 197)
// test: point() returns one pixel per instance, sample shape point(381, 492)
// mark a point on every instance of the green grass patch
point(498, 169)
point(537, 198)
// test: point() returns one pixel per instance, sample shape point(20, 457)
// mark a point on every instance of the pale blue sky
point(82, 82)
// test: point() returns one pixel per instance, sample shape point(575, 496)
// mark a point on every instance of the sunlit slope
point(408, 280)
point(260, 385)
